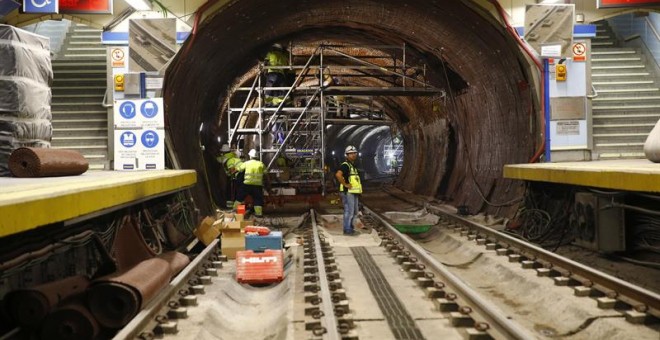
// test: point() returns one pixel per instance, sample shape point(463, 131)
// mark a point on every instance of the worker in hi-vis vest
point(253, 182)
point(350, 188)
point(229, 162)
point(276, 77)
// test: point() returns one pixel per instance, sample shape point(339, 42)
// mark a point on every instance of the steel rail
point(627, 292)
point(493, 315)
point(147, 314)
point(328, 317)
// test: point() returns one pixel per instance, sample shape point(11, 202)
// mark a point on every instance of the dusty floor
point(646, 277)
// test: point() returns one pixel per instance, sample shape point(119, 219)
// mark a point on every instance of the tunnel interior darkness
point(455, 147)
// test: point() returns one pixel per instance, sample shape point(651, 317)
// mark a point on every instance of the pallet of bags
point(25, 94)
point(25, 54)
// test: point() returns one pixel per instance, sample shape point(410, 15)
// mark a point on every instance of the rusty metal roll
point(129, 247)
point(30, 306)
point(70, 322)
point(116, 299)
point(176, 260)
point(45, 162)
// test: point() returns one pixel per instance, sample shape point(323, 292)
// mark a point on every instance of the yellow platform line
point(28, 209)
point(616, 179)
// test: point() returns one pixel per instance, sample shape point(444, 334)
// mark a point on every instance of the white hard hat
point(278, 45)
point(350, 149)
point(252, 153)
point(224, 148)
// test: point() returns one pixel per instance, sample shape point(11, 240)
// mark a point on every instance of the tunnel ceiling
point(455, 147)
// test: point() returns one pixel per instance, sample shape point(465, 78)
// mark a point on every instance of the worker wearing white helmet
point(350, 188)
point(253, 183)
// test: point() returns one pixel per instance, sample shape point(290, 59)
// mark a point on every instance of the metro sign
point(40, 6)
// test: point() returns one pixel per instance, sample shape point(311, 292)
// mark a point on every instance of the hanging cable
point(537, 62)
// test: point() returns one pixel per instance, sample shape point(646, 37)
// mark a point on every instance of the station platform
point(28, 203)
point(623, 174)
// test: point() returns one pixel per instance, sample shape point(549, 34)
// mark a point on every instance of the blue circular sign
point(149, 139)
point(127, 139)
point(149, 109)
point(127, 110)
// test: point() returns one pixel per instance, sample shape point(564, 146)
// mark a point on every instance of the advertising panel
point(627, 3)
point(85, 6)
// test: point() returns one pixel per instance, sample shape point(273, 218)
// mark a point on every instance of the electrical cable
point(537, 62)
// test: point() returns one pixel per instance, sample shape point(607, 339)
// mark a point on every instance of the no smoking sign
point(118, 56)
point(579, 52)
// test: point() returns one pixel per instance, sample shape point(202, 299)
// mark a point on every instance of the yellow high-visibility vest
point(353, 180)
point(254, 172)
point(276, 58)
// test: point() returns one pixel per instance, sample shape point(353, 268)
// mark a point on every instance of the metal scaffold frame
point(301, 126)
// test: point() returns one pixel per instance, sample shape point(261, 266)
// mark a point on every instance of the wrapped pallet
point(25, 95)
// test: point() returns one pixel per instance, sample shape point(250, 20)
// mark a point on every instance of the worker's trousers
point(351, 202)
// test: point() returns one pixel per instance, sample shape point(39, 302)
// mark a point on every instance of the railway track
point(384, 284)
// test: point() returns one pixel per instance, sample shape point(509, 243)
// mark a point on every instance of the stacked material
point(25, 78)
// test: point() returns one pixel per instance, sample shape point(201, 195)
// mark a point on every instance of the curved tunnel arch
point(454, 148)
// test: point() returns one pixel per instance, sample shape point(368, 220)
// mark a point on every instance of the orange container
point(259, 268)
point(240, 209)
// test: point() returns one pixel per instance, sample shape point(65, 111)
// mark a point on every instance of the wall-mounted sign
point(40, 6)
point(627, 3)
point(86, 6)
point(579, 52)
point(118, 55)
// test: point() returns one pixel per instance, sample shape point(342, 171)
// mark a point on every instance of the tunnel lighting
point(333, 152)
point(140, 5)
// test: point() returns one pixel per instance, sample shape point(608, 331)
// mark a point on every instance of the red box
point(259, 268)
point(240, 209)
point(253, 229)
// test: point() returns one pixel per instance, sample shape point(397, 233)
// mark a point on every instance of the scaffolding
point(295, 150)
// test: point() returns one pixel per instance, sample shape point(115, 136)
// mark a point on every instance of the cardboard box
point(239, 217)
point(229, 245)
point(236, 225)
point(207, 232)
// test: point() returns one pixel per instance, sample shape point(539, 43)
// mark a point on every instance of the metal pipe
point(321, 126)
point(511, 330)
point(546, 107)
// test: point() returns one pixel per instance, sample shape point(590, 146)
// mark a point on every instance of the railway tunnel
point(455, 145)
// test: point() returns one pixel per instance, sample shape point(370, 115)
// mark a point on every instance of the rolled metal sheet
point(129, 247)
point(116, 299)
point(72, 321)
point(45, 162)
point(30, 306)
point(176, 260)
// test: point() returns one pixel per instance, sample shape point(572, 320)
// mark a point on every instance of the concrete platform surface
point(623, 174)
point(27, 203)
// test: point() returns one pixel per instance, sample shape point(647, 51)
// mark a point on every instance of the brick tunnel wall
point(452, 151)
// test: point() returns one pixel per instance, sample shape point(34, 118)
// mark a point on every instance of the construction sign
point(579, 52)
